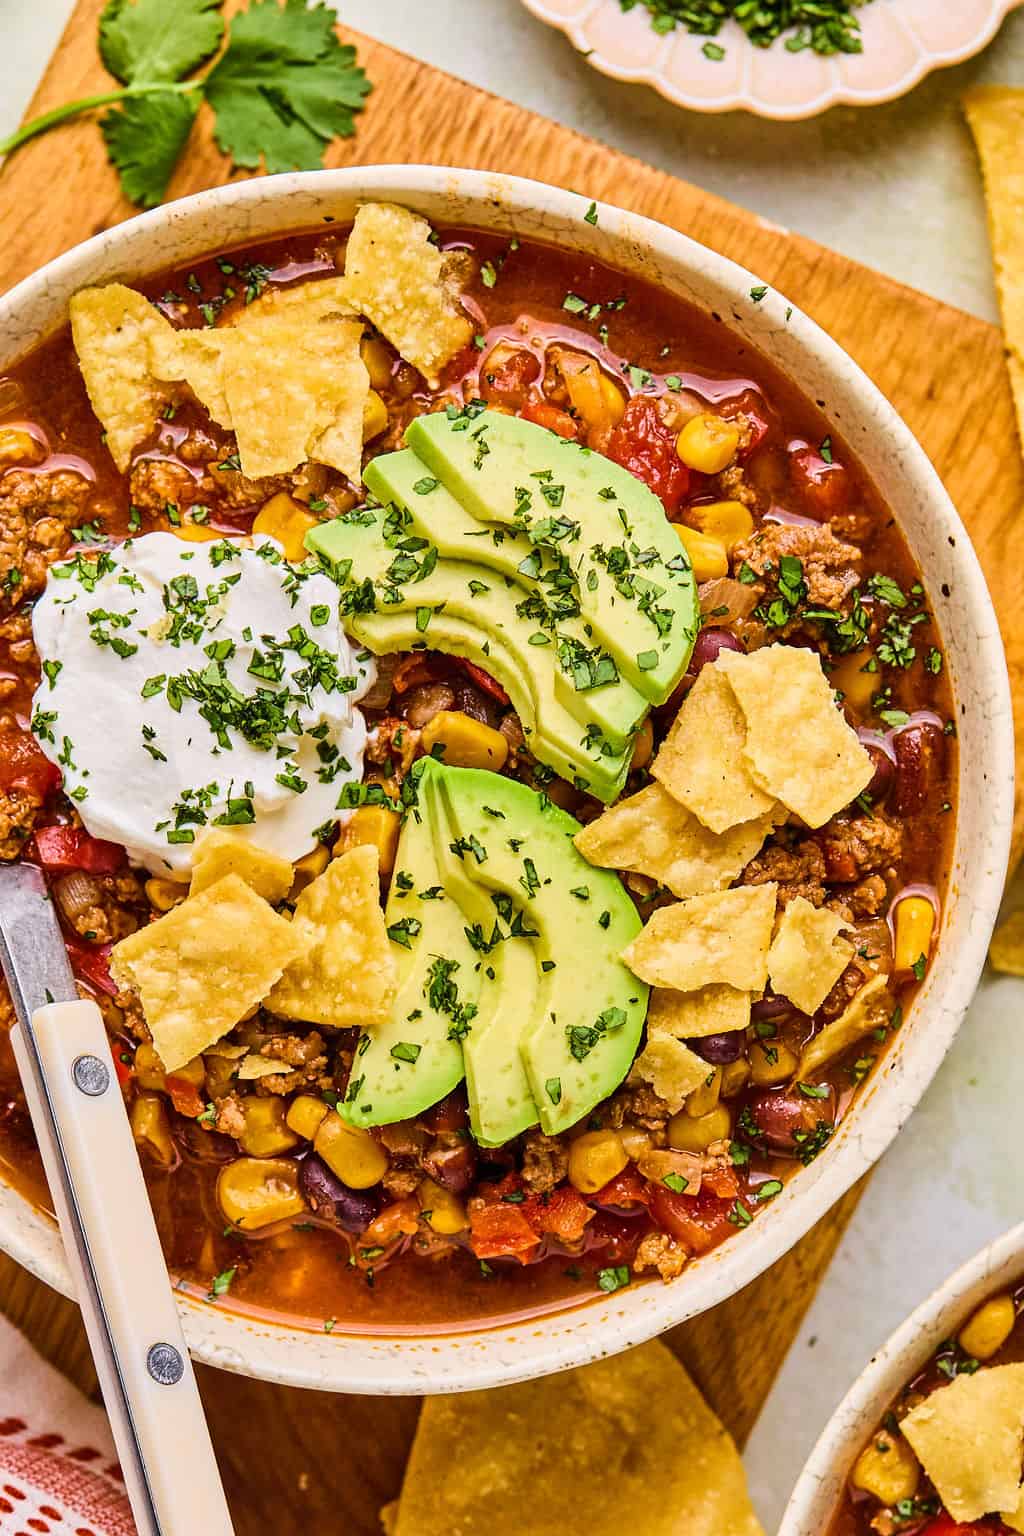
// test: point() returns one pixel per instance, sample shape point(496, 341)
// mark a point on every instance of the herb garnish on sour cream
point(195, 685)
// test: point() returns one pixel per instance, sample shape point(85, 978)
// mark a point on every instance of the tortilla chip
point(799, 748)
point(653, 834)
point(625, 1444)
point(346, 975)
point(310, 301)
point(871, 1008)
point(969, 1437)
point(389, 1518)
point(996, 116)
point(395, 276)
point(226, 851)
point(1006, 952)
point(295, 392)
point(1014, 1518)
point(807, 956)
point(112, 328)
point(701, 761)
point(672, 1070)
point(195, 358)
point(714, 1010)
point(722, 936)
point(200, 968)
point(255, 1066)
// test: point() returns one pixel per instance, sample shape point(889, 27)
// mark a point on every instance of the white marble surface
point(895, 187)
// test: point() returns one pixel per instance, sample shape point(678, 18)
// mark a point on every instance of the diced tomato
point(412, 671)
point(945, 1525)
point(616, 1237)
point(627, 1189)
point(63, 848)
point(840, 864)
point(185, 1096)
point(123, 1071)
point(822, 485)
point(644, 445)
point(722, 1182)
point(699, 1222)
point(746, 405)
point(547, 415)
point(485, 681)
point(501, 1232)
point(510, 381)
point(562, 1214)
point(23, 766)
point(90, 963)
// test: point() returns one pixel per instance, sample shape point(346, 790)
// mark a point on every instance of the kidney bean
point(822, 488)
point(334, 1201)
point(709, 643)
point(769, 1009)
point(449, 1114)
point(784, 1114)
point(720, 1049)
point(453, 1167)
point(920, 761)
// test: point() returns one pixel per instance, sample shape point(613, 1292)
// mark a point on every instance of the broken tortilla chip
point(1006, 952)
point(714, 1010)
point(652, 833)
point(870, 1008)
point(624, 1443)
point(396, 277)
point(701, 761)
point(255, 1066)
point(722, 936)
point(969, 1437)
point(295, 392)
point(996, 117)
point(672, 1070)
point(226, 851)
point(807, 956)
point(112, 328)
point(346, 975)
point(316, 299)
point(195, 358)
point(200, 968)
point(799, 748)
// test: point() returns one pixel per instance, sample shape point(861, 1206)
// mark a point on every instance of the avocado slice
point(446, 601)
point(501, 1103)
point(403, 483)
point(580, 1039)
point(411, 1062)
point(633, 578)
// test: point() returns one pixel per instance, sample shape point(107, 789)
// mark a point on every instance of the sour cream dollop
point(191, 685)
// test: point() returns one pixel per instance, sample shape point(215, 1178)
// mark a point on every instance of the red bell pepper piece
point(23, 766)
point(184, 1096)
point(90, 964)
point(485, 681)
point(699, 1222)
point(628, 1188)
point(63, 848)
point(501, 1232)
point(945, 1525)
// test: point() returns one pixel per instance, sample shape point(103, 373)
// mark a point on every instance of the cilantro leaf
point(151, 40)
point(144, 139)
point(284, 87)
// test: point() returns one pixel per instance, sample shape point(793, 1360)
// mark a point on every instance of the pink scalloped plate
point(903, 41)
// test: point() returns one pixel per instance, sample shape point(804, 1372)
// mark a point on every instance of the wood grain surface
point(302, 1461)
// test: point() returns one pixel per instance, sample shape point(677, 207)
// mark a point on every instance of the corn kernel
point(305, 1114)
point(444, 1212)
point(915, 927)
point(771, 1062)
point(374, 825)
point(17, 446)
point(162, 895)
point(594, 1158)
point(635, 1141)
point(150, 1127)
point(985, 1333)
point(686, 1134)
point(614, 404)
point(704, 1099)
point(379, 362)
point(857, 685)
point(253, 1192)
point(644, 745)
point(220, 1072)
point(708, 556)
point(887, 1469)
point(735, 1077)
point(283, 519)
point(375, 416)
point(309, 866)
point(149, 1069)
point(350, 1152)
point(728, 521)
point(195, 533)
point(467, 743)
point(708, 444)
point(265, 1133)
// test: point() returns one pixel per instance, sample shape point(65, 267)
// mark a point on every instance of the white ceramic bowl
point(818, 1494)
point(904, 40)
point(480, 1357)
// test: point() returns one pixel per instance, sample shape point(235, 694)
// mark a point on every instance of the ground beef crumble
point(36, 512)
point(659, 1251)
point(798, 867)
point(831, 568)
point(18, 812)
point(545, 1162)
point(306, 1056)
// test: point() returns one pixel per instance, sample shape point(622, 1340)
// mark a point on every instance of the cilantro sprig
point(281, 87)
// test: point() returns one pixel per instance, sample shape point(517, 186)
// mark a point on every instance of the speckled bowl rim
point(677, 85)
point(434, 1361)
point(816, 1497)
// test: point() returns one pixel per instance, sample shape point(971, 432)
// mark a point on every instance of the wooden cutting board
point(305, 1461)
